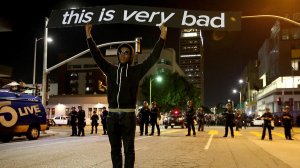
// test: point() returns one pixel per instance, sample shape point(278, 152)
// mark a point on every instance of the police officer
point(73, 115)
point(103, 120)
point(189, 114)
point(287, 119)
point(238, 120)
point(200, 119)
point(229, 120)
point(154, 115)
point(94, 123)
point(267, 117)
point(144, 118)
point(81, 121)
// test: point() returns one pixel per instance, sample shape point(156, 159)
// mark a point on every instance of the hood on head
point(131, 51)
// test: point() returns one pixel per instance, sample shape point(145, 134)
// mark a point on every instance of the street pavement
point(66, 130)
point(233, 152)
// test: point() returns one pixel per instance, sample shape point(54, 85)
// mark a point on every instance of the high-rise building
point(279, 68)
point(191, 58)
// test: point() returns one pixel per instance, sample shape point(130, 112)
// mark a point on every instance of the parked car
point(60, 120)
point(257, 122)
point(173, 118)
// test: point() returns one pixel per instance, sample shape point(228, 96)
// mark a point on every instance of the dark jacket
point(287, 119)
point(123, 80)
point(104, 116)
point(81, 118)
point(154, 114)
point(145, 114)
point(229, 118)
point(189, 114)
point(267, 117)
point(73, 116)
point(94, 119)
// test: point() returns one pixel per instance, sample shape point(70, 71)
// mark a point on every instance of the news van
point(21, 114)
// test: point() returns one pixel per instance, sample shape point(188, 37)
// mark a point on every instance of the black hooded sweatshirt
point(123, 80)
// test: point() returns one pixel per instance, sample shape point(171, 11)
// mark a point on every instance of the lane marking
point(212, 133)
point(258, 134)
point(278, 134)
point(208, 142)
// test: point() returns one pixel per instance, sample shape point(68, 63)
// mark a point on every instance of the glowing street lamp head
point(49, 40)
point(234, 91)
point(158, 78)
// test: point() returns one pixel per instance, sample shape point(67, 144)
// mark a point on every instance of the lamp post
point(159, 79)
point(235, 91)
point(44, 83)
point(34, 58)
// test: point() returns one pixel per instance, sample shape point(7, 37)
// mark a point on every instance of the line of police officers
point(147, 115)
point(77, 120)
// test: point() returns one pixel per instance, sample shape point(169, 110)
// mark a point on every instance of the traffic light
point(137, 47)
point(37, 90)
point(279, 101)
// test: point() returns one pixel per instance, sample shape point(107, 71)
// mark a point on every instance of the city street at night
point(171, 149)
point(125, 65)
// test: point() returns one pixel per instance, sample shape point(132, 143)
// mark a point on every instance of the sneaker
point(188, 135)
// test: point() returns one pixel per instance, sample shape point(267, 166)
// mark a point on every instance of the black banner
point(150, 16)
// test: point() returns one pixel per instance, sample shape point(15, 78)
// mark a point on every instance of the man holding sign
point(123, 81)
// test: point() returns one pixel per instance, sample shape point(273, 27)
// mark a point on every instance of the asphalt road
point(171, 149)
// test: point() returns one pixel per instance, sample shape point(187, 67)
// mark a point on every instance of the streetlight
point(34, 58)
point(235, 91)
point(47, 70)
point(158, 79)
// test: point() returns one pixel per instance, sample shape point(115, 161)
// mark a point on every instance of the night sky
point(225, 58)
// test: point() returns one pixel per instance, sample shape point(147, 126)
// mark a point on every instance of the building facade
point(191, 58)
point(279, 69)
point(81, 82)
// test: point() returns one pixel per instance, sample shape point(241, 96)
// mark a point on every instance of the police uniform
point(73, 116)
point(287, 119)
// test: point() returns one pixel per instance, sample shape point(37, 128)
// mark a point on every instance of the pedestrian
point(103, 116)
point(238, 120)
point(229, 120)
point(73, 115)
point(81, 121)
point(244, 119)
point(287, 120)
point(122, 86)
point(200, 118)
point(154, 116)
point(207, 119)
point(144, 118)
point(267, 117)
point(190, 114)
point(94, 119)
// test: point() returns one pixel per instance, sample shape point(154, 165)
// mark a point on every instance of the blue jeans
point(121, 126)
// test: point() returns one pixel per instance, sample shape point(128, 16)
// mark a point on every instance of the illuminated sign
point(142, 15)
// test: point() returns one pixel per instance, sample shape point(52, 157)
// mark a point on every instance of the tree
point(173, 91)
